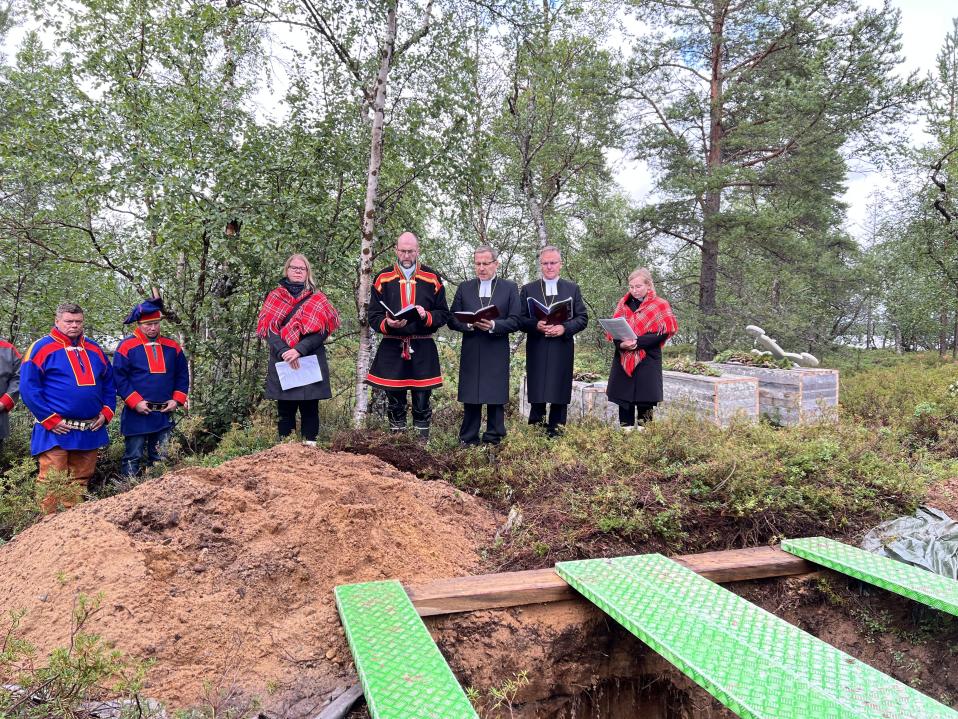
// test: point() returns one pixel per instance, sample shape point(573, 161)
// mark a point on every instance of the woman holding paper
point(295, 320)
point(635, 380)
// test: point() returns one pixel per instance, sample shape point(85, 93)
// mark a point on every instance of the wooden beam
point(513, 589)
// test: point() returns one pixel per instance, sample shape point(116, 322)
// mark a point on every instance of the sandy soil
point(224, 576)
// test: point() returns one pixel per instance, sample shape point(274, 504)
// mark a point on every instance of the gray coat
point(9, 384)
point(311, 344)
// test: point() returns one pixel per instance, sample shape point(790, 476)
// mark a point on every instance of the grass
point(684, 485)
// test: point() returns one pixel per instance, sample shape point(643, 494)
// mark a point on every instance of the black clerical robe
point(484, 358)
point(549, 359)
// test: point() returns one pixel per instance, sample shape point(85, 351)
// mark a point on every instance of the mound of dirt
point(224, 576)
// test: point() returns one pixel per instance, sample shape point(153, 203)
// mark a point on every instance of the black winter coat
point(549, 360)
point(484, 358)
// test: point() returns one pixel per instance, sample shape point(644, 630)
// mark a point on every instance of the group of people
point(70, 385)
point(408, 306)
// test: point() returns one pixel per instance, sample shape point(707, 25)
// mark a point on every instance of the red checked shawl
point(653, 315)
point(315, 315)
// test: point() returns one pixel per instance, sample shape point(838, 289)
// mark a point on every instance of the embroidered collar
point(64, 340)
point(141, 335)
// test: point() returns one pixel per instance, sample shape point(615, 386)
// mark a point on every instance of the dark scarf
point(294, 288)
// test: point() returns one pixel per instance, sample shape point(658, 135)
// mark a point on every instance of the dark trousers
point(308, 415)
point(155, 445)
point(557, 416)
point(472, 420)
point(421, 411)
point(635, 411)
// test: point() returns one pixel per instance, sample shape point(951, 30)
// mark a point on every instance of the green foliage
point(682, 484)
point(690, 366)
point(86, 670)
point(752, 360)
point(253, 434)
point(18, 503)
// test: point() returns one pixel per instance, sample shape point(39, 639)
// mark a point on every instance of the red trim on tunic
point(428, 318)
point(430, 278)
point(7, 346)
point(155, 357)
point(133, 400)
point(384, 278)
point(180, 397)
point(52, 421)
point(77, 357)
point(7, 401)
point(383, 327)
point(403, 383)
point(108, 413)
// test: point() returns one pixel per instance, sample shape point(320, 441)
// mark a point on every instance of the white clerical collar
point(408, 272)
point(552, 286)
point(485, 288)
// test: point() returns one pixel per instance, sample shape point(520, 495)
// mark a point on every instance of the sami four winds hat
point(147, 311)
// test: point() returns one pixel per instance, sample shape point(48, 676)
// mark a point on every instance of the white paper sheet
point(307, 373)
point(618, 328)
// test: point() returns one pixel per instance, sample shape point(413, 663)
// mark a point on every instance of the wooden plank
point(513, 589)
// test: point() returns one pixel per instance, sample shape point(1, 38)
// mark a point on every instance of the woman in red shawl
point(635, 381)
point(295, 321)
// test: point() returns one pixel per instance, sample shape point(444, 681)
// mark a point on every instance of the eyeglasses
point(406, 252)
point(295, 268)
point(486, 264)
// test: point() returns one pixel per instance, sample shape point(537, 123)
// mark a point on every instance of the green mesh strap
point(403, 673)
point(912, 582)
point(754, 663)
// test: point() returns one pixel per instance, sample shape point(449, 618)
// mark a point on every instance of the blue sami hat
point(147, 311)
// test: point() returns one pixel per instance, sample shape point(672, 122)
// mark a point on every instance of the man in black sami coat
point(407, 358)
point(484, 359)
point(550, 346)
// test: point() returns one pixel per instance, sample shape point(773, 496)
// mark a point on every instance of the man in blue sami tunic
point(67, 383)
point(153, 379)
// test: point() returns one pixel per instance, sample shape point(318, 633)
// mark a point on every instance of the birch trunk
point(364, 356)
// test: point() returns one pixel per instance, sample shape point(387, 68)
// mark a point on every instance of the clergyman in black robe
point(484, 358)
point(550, 347)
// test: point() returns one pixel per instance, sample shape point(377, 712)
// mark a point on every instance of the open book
point(618, 329)
point(486, 313)
point(409, 312)
point(555, 314)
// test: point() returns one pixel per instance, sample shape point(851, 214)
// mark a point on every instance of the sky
point(924, 24)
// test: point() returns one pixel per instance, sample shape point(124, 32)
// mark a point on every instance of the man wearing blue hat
point(153, 379)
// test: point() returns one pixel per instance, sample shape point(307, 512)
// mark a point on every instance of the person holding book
point(407, 306)
point(152, 376)
point(485, 309)
point(295, 320)
point(635, 379)
point(552, 314)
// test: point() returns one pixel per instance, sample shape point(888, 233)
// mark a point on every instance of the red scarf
point(315, 315)
point(653, 315)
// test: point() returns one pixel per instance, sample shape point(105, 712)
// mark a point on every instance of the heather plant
point(72, 679)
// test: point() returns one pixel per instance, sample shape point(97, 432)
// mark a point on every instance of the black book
point(470, 318)
point(555, 314)
point(409, 312)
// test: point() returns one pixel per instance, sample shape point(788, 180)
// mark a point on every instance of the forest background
point(187, 148)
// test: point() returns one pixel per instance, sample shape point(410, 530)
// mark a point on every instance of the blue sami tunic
point(151, 370)
point(65, 379)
